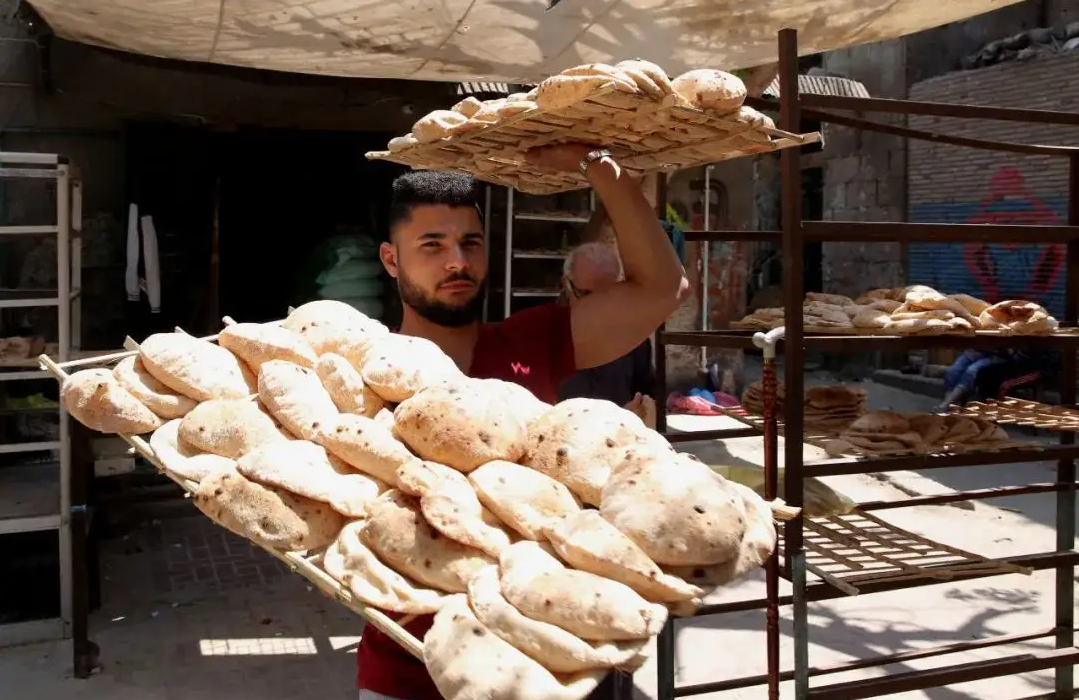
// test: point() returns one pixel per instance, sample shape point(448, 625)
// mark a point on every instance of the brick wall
point(961, 185)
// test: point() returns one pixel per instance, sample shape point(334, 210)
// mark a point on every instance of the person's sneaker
point(941, 409)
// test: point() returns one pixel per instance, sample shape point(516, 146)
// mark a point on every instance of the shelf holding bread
point(916, 310)
point(566, 535)
point(649, 121)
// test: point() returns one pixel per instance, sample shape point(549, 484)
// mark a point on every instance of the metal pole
point(487, 246)
point(63, 292)
point(1065, 584)
point(706, 259)
point(790, 171)
point(507, 293)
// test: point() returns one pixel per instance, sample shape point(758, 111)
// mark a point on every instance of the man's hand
point(644, 407)
point(559, 158)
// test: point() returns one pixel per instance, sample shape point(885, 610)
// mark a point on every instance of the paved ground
point(192, 612)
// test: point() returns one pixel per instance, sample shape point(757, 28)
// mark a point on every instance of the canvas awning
point(516, 41)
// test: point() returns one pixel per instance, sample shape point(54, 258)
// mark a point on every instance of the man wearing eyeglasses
point(627, 381)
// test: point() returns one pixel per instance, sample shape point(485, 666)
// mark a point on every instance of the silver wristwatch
point(591, 157)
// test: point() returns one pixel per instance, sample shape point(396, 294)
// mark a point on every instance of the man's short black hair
point(427, 187)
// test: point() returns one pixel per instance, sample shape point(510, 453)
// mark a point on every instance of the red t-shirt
point(533, 348)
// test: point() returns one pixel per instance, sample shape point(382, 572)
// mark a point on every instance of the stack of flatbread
point(552, 541)
point(714, 91)
point(891, 433)
point(912, 310)
point(828, 409)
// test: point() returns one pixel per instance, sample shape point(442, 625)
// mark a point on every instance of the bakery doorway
point(296, 208)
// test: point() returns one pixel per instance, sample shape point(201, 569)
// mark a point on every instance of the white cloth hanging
point(131, 272)
point(152, 264)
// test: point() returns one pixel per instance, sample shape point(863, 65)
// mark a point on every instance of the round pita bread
point(523, 498)
point(577, 442)
point(150, 392)
point(333, 326)
point(196, 368)
point(295, 397)
point(176, 456)
point(366, 444)
point(355, 566)
point(230, 428)
point(96, 399)
point(713, 90)
point(461, 425)
point(757, 546)
point(675, 508)
point(397, 366)
point(397, 532)
point(345, 386)
point(256, 343)
point(267, 516)
point(588, 542)
point(458, 644)
point(553, 647)
point(589, 606)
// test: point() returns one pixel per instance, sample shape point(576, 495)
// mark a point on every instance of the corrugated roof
point(822, 85)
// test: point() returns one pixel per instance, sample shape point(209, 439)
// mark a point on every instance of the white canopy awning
point(486, 40)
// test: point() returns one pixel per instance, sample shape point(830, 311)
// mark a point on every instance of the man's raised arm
point(607, 325)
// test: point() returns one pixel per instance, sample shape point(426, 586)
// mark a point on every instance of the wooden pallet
point(859, 549)
point(645, 135)
point(1031, 414)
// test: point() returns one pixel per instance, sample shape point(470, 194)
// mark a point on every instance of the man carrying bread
point(436, 254)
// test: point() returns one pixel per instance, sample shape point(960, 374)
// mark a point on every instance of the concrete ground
point(191, 612)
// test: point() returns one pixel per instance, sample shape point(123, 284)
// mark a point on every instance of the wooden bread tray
point(307, 564)
point(1032, 414)
point(881, 332)
point(644, 135)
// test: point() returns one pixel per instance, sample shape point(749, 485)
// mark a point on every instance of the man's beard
point(441, 313)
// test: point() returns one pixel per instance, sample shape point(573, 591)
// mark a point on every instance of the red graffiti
point(1011, 202)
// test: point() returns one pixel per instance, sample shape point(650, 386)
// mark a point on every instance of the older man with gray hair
point(628, 381)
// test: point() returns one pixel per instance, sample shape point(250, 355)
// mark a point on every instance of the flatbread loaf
point(458, 645)
point(587, 542)
point(400, 143)
point(366, 444)
point(553, 647)
point(182, 459)
point(306, 469)
point(355, 566)
point(230, 427)
point(96, 399)
point(523, 498)
point(437, 125)
point(522, 402)
point(397, 366)
point(589, 606)
point(675, 508)
point(267, 516)
point(757, 546)
point(345, 386)
point(468, 106)
point(196, 368)
point(150, 392)
point(397, 532)
point(256, 343)
point(869, 317)
point(972, 304)
point(450, 504)
point(561, 91)
point(832, 299)
point(334, 326)
point(1014, 317)
point(579, 441)
point(384, 417)
point(295, 397)
point(461, 425)
point(713, 90)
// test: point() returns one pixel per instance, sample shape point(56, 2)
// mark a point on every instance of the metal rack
point(27, 496)
point(792, 559)
point(509, 291)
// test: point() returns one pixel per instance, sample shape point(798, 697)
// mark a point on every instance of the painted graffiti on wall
point(994, 271)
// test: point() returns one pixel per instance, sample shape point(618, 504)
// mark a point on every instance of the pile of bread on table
point(880, 433)
point(913, 310)
point(551, 541)
point(720, 93)
point(828, 408)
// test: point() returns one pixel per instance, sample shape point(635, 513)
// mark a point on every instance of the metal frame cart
point(804, 539)
point(31, 498)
